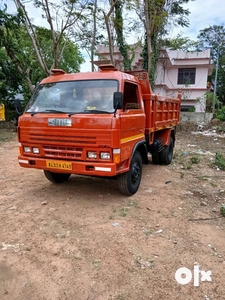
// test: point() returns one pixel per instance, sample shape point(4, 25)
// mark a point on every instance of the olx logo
point(184, 275)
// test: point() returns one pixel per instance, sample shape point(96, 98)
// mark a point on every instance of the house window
point(186, 75)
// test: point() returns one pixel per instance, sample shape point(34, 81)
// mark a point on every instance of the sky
point(204, 13)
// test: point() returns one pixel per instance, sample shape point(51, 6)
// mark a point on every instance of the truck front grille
point(63, 151)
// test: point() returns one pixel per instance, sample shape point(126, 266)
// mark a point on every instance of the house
point(134, 53)
point(186, 72)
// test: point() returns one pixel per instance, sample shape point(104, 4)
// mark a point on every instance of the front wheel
point(129, 182)
point(166, 155)
point(56, 177)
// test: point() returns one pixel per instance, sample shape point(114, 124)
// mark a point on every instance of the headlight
point(26, 149)
point(92, 155)
point(36, 150)
point(105, 155)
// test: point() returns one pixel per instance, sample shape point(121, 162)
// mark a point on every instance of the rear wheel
point(166, 155)
point(129, 182)
point(56, 177)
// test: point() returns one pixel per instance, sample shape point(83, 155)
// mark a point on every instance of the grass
point(195, 160)
point(220, 161)
point(220, 128)
point(124, 210)
point(202, 177)
point(6, 135)
point(148, 232)
point(222, 210)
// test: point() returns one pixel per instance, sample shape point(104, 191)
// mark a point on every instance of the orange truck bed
point(161, 112)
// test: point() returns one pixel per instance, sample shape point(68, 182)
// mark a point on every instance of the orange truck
point(103, 123)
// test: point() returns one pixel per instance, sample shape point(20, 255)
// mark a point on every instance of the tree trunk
point(94, 36)
point(148, 33)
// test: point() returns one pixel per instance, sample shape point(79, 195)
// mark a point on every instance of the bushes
point(220, 161)
point(220, 114)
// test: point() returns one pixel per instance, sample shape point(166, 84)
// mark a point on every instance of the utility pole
point(215, 84)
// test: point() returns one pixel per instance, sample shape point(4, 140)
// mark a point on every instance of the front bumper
point(107, 169)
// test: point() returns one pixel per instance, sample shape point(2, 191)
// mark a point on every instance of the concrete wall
point(195, 117)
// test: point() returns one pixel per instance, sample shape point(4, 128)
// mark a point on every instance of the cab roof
point(106, 72)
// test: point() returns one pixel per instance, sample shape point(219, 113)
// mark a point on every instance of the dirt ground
point(82, 240)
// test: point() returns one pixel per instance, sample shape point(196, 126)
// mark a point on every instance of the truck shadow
point(83, 186)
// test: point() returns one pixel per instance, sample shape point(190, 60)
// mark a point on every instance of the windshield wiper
point(55, 111)
point(48, 110)
point(90, 111)
point(34, 113)
point(74, 113)
point(97, 111)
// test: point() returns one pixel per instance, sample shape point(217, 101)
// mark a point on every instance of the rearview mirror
point(117, 100)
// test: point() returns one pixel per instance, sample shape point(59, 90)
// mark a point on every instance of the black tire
point(56, 177)
point(129, 182)
point(156, 158)
point(166, 155)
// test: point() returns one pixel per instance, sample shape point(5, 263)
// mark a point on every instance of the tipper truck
point(105, 123)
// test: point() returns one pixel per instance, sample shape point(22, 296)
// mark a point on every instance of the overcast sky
point(204, 13)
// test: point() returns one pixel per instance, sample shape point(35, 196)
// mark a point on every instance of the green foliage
point(160, 14)
point(195, 160)
point(220, 128)
point(213, 38)
point(210, 100)
point(220, 114)
point(71, 60)
point(177, 14)
point(144, 54)
point(180, 42)
point(220, 161)
point(19, 67)
point(222, 210)
point(118, 25)
point(191, 109)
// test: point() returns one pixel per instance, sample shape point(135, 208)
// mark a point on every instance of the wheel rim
point(135, 174)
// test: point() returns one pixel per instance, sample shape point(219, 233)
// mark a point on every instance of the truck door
point(132, 119)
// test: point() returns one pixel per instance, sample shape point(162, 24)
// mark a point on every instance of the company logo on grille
point(59, 122)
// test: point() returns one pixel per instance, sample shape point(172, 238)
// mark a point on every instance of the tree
point(156, 16)
point(14, 63)
point(107, 23)
point(60, 17)
point(118, 25)
point(213, 37)
point(180, 42)
point(19, 67)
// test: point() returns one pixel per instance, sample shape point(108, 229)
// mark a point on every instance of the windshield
point(74, 96)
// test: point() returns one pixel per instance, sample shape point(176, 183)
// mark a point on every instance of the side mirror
point(18, 106)
point(117, 100)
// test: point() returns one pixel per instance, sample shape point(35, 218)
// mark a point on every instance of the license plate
point(62, 165)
